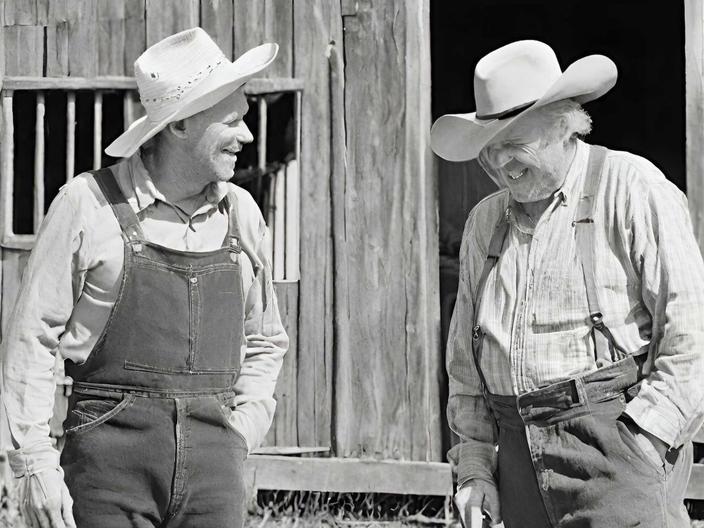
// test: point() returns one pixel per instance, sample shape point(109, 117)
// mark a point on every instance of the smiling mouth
point(230, 152)
point(514, 175)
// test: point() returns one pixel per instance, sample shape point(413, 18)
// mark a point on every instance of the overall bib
point(148, 441)
point(565, 456)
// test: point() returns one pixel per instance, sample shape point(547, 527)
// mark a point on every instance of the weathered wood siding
point(362, 375)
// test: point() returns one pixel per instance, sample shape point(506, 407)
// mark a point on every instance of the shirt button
point(194, 280)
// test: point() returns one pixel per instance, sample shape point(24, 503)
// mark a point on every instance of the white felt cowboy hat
point(512, 81)
point(182, 75)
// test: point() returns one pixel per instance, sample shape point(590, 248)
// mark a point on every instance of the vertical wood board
point(216, 18)
point(135, 33)
point(316, 24)
point(248, 24)
point(24, 50)
point(166, 17)
point(278, 23)
point(694, 86)
point(111, 37)
point(83, 50)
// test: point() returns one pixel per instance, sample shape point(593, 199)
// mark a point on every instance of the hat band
point(507, 113)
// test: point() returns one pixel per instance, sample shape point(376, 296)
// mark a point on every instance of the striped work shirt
point(650, 287)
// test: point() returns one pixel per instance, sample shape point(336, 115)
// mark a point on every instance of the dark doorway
point(643, 114)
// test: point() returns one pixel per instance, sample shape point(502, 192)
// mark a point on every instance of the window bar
point(39, 162)
point(8, 155)
point(278, 194)
point(70, 134)
point(128, 114)
point(293, 198)
point(261, 164)
point(97, 129)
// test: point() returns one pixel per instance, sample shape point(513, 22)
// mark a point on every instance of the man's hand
point(45, 501)
point(479, 494)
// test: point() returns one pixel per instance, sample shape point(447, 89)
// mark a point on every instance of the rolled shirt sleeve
point(468, 415)
point(670, 404)
point(42, 310)
point(266, 344)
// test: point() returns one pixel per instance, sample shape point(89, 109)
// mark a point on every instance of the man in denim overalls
point(151, 277)
point(576, 348)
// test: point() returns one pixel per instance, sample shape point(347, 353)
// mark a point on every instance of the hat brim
point(213, 89)
point(460, 137)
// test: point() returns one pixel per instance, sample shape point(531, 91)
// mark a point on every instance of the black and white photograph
point(351, 263)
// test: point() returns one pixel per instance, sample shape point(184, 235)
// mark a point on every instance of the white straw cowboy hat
point(182, 75)
point(508, 83)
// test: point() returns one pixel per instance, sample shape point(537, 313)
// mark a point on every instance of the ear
point(178, 128)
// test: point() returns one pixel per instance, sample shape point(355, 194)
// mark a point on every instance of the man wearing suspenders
point(576, 348)
point(152, 280)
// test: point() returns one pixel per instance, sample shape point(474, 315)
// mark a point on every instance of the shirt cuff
point(34, 459)
point(473, 460)
point(656, 414)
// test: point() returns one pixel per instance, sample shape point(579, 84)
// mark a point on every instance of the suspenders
point(584, 224)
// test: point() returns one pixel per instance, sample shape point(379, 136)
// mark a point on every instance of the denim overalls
point(565, 456)
point(148, 441)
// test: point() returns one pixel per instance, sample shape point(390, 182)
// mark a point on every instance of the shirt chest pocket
point(560, 297)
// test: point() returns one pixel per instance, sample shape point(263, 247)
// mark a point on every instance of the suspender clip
point(475, 332)
point(597, 320)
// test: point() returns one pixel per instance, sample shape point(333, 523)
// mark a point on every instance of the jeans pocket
point(641, 448)
point(226, 405)
point(90, 413)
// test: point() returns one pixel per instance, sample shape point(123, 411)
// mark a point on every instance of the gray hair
point(564, 120)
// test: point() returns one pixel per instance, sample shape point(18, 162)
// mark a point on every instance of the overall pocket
point(88, 414)
point(226, 405)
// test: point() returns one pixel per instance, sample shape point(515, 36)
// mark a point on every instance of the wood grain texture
point(19, 12)
point(83, 48)
point(392, 364)
point(166, 17)
point(278, 22)
point(24, 50)
point(135, 33)
point(694, 86)
point(57, 49)
point(216, 19)
point(248, 24)
point(316, 24)
point(111, 37)
point(284, 430)
point(348, 475)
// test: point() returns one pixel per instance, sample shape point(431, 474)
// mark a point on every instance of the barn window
point(54, 128)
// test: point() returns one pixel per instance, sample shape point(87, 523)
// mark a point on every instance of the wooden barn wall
point(363, 375)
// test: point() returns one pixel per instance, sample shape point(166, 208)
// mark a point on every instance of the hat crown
point(167, 71)
point(513, 76)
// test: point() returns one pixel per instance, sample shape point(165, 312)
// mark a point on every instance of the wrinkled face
point(217, 134)
point(527, 159)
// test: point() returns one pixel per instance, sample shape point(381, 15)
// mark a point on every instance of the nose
point(242, 133)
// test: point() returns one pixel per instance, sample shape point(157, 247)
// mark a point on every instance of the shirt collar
point(146, 193)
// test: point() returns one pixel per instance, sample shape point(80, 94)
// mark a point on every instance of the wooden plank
point(111, 37)
point(19, 13)
point(166, 17)
point(247, 25)
point(293, 219)
point(216, 19)
point(97, 130)
point(135, 33)
point(38, 215)
point(389, 364)
point(349, 475)
point(70, 134)
point(284, 431)
point(57, 49)
point(316, 24)
point(694, 90)
point(279, 211)
point(7, 156)
point(695, 488)
point(83, 49)
point(12, 241)
point(278, 27)
point(24, 50)
point(289, 450)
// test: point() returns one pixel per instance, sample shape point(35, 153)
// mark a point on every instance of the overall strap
point(586, 248)
point(107, 184)
point(492, 257)
point(234, 241)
